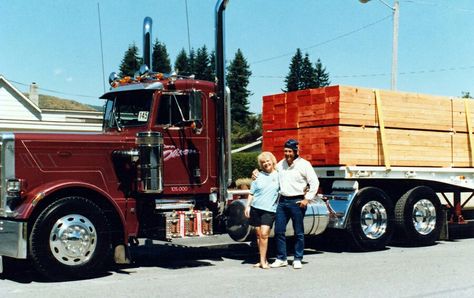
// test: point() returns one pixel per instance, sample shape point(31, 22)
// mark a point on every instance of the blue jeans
point(289, 209)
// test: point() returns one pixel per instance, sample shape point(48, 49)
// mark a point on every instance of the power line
point(414, 72)
point(326, 41)
point(54, 91)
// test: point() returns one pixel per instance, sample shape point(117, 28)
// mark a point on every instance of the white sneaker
point(279, 263)
point(297, 264)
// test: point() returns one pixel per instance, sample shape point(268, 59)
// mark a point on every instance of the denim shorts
point(259, 217)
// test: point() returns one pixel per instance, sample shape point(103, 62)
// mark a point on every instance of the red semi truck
point(160, 169)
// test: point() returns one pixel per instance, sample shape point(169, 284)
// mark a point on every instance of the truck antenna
point(101, 46)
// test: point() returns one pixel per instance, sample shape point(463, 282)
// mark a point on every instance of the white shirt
point(294, 179)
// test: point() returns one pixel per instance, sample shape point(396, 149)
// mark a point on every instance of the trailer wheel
point(371, 220)
point(70, 239)
point(418, 216)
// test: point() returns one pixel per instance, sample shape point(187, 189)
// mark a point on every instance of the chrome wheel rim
point(73, 239)
point(373, 219)
point(424, 217)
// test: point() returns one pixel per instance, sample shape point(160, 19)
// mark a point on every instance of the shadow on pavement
point(22, 271)
point(177, 256)
point(173, 256)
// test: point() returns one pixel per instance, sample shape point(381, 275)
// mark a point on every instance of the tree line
point(246, 126)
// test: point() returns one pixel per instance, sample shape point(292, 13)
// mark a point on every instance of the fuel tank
point(315, 221)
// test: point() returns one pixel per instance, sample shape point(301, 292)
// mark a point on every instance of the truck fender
point(36, 195)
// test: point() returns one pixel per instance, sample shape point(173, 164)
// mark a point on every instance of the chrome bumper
point(13, 239)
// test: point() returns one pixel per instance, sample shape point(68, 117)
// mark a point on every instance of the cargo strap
point(469, 128)
point(378, 104)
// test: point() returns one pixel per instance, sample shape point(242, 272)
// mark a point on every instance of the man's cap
point(292, 144)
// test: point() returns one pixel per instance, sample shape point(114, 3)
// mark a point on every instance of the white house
point(252, 147)
point(21, 113)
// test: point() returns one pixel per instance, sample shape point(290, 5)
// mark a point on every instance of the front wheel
point(370, 226)
point(70, 239)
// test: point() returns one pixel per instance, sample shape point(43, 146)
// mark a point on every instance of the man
point(298, 186)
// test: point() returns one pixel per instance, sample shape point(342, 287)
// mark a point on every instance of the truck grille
point(7, 166)
point(1, 173)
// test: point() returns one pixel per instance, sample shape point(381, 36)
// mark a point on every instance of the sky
point(57, 43)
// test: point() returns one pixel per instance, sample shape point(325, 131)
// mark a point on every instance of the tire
point(418, 217)
point(85, 242)
point(371, 223)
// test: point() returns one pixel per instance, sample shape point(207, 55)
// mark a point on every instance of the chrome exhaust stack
point(147, 24)
point(223, 108)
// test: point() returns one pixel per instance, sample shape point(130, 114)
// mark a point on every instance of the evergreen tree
point(131, 61)
point(238, 79)
point(322, 77)
point(247, 132)
point(191, 62)
point(161, 60)
point(308, 74)
point(202, 65)
point(181, 62)
point(293, 79)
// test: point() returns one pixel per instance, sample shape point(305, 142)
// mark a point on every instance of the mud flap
point(120, 255)
point(444, 234)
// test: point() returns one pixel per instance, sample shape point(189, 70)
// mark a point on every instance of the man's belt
point(283, 198)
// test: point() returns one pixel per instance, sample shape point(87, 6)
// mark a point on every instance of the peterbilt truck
point(160, 169)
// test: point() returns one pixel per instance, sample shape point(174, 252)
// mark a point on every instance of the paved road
point(221, 268)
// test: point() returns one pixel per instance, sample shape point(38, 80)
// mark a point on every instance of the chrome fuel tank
point(315, 221)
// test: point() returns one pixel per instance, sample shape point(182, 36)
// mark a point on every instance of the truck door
point(181, 116)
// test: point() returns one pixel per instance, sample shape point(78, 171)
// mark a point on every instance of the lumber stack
point(340, 125)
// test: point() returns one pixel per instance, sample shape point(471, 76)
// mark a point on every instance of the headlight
point(13, 187)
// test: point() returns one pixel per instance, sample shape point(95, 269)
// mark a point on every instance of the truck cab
point(182, 111)
point(159, 169)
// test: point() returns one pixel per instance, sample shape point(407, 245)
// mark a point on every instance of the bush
point(243, 163)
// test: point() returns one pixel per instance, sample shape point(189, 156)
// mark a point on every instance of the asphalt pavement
point(219, 267)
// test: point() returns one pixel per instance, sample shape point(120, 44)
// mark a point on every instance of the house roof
point(248, 146)
point(28, 102)
point(48, 102)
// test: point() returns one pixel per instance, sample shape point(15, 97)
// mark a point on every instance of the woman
point(262, 203)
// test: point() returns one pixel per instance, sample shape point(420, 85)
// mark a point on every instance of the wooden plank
point(355, 107)
point(339, 125)
point(348, 145)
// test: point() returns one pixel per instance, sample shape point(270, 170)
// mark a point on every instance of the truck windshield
point(125, 109)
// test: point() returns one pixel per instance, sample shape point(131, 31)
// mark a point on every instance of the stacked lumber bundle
point(341, 125)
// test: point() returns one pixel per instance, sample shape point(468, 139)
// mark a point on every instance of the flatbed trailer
point(413, 204)
point(376, 205)
point(454, 186)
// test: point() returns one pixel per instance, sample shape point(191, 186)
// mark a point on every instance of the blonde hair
point(266, 155)
point(243, 183)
